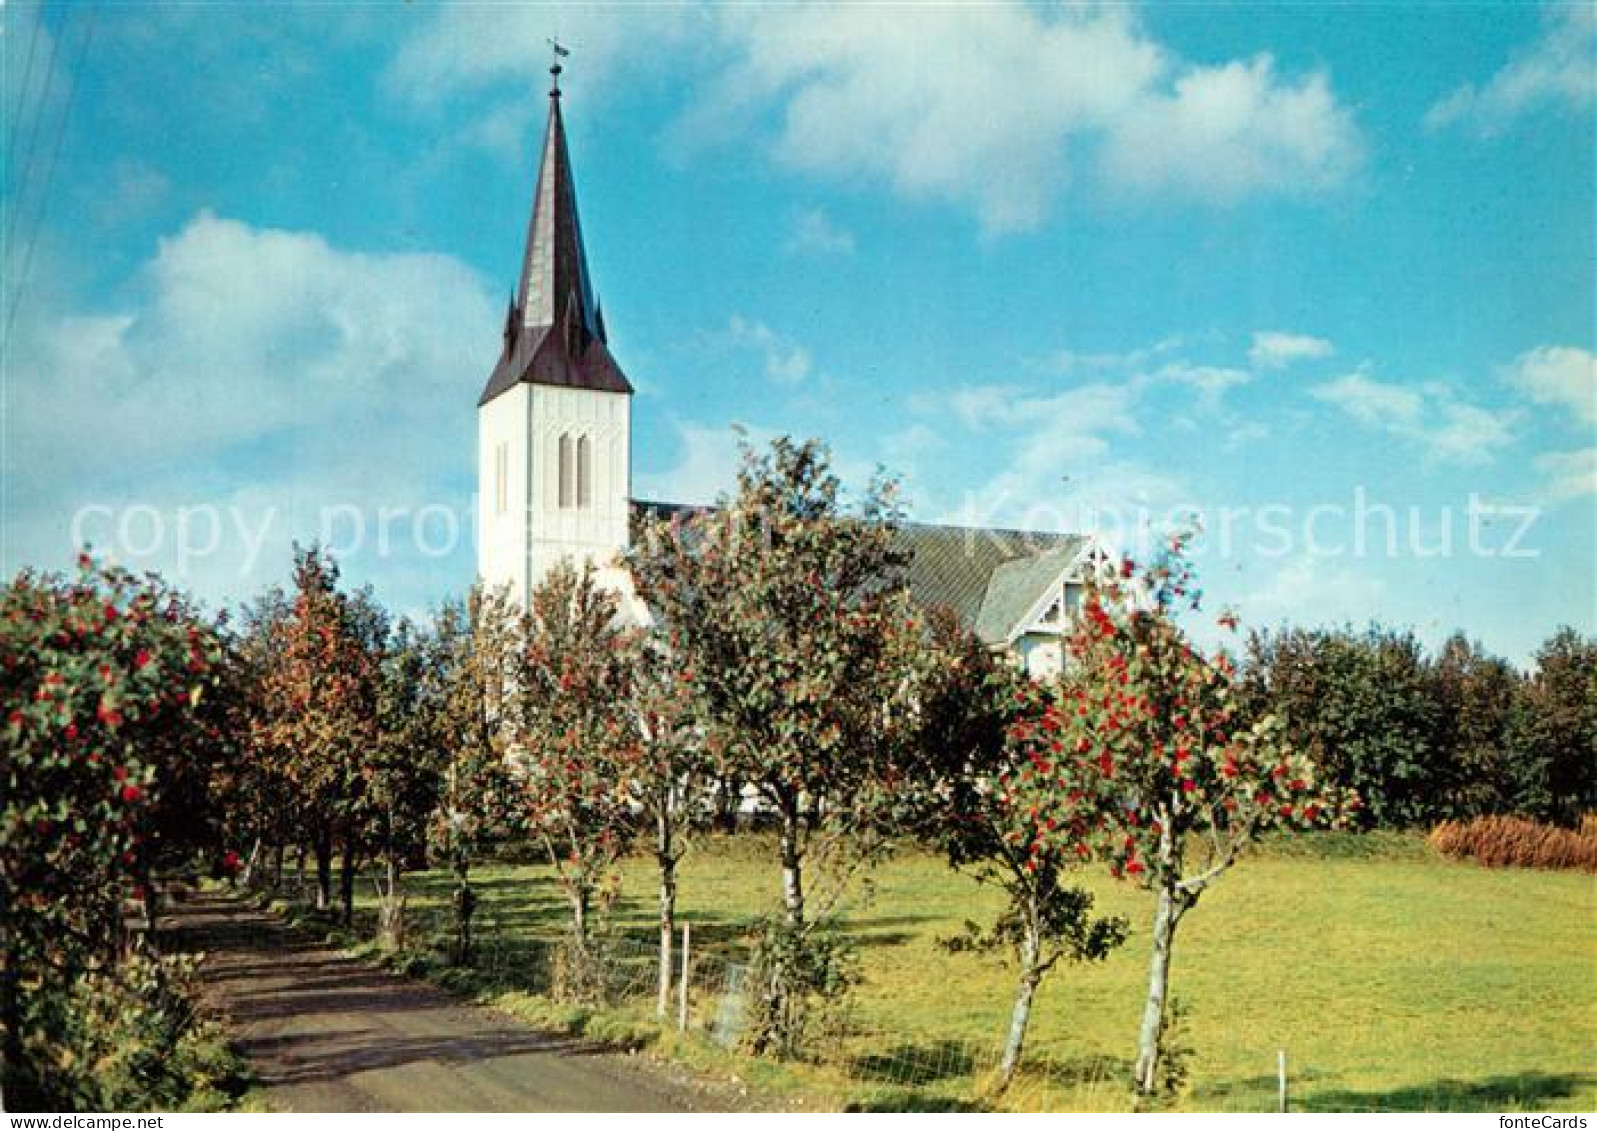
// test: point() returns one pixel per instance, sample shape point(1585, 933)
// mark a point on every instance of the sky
point(1318, 275)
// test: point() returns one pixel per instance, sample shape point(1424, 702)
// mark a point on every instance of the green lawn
point(1394, 980)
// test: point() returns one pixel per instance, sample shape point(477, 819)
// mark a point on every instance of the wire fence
point(862, 1065)
point(867, 1066)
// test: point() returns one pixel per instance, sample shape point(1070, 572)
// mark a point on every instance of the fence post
point(1280, 1071)
point(682, 988)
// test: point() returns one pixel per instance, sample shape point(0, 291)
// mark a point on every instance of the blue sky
point(1048, 263)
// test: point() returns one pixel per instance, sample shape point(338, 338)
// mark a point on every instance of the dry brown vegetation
point(1516, 842)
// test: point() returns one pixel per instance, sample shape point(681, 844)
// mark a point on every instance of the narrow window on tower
point(501, 474)
point(566, 475)
point(584, 473)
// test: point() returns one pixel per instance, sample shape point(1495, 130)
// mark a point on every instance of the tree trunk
point(1020, 1016)
point(151, 901)
point(792, 867)
point(465, 905)
point(1166, 916)
point(324, 871)
point(277, 865)
point(391, 915)
point(665, 854)
point(347, 883)
point(579, 914)
point(727, 798)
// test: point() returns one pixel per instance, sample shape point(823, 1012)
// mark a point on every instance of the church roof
point(988, 578)
point(984, 575)
point(554, 330)
point(1016, 586)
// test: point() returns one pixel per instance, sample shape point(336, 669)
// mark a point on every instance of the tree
point(1556, 729)
point(792, 619)
point(473, 652)
point(319, 710)
point(105, 683)
point(1475, 695)
point(261, 797)
point(1362, 706)
point(1155, 731)
point(673, 771)
point(575, 746)
point(405, 773)
point(989, 800)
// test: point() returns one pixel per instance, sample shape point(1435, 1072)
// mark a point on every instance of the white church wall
point(597, 532)
point(503, 458)
point(523, 531)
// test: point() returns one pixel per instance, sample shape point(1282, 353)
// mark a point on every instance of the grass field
point(1393, 979)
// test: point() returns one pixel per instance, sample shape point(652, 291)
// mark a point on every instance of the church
point(554, 457)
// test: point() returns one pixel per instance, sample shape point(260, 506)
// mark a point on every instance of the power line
point(49, 176)
point(39, 106)
point(22, 91)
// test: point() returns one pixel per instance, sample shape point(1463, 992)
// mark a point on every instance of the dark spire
point(555, 335)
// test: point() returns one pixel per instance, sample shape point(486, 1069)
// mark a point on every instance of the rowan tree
point(574, 743)
point(791, 615)
point(1153, 735)
point(988, 798)
point(105, 685)
point(404, 774)
point(319, 696)
point(261, 814)
point(673, 773)
point(473, 651)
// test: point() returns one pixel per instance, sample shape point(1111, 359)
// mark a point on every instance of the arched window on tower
point(584, 473)
point(567, 475)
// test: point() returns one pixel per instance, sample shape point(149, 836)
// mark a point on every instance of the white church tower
point(554, 424)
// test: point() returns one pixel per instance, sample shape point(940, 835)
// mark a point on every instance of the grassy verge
point(1393, 979)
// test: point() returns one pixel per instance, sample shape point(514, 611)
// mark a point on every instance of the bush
point(127, 1039)
point(800, 983)
point(1515, 842)
point(581, 970)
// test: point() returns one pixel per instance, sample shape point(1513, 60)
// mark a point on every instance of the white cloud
point(1273, 349)
point(1373, 403)
point(1569, 475)
point(1210, 381)
point(465, 48)
point(706, 468)
point(816, 233)
point(1058, 467)
point(1085, 410)
point(710, 456)
point(1313, 591)
point(1429, 415)
point(786, 362)
point(255, 365)
point(1244, 435)
point(1227, 132)
point(990, 107)
point(1562, 376)
point(1464, 433)
point(911, 102)
point(1559, 68)
point(1073, 361)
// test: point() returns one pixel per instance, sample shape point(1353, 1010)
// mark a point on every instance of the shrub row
point(1426, 737)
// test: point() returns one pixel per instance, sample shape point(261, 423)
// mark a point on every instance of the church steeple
point(555, 334)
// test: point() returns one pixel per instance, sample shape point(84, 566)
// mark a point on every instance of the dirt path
point(327, 1033)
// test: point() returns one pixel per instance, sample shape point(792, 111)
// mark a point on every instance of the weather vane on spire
point(560, 52)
